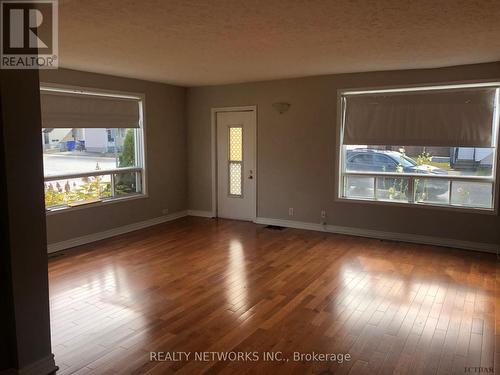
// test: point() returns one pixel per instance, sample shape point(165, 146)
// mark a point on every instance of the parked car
point(377, 161)
point(364, 160)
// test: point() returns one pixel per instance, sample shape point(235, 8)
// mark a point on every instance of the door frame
point(213, 119)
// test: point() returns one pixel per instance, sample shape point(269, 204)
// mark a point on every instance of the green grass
point(441, 165)
point(483, 172)
point(446, 166)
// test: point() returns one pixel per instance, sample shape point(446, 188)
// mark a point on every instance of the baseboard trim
point(403, 237)
point(58, 246)
point(44, 366)
point(200, 213)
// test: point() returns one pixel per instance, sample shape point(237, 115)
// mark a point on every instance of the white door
point(236, 174)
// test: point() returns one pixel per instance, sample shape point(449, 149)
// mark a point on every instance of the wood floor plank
point(206, 285)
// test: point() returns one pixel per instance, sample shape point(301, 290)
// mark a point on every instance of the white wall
point(96, 140)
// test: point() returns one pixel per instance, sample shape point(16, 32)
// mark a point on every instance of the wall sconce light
point(281, 107)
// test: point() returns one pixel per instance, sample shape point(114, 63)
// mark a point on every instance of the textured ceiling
point(193, 43)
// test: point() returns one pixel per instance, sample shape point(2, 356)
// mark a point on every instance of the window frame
point(340, 173)
point(140, 149)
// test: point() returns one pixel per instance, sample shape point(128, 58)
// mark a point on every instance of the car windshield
point(403, 160)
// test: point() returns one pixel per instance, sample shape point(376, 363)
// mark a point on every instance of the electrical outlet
point(323, 214)
point(164, 211)
point(290, 211)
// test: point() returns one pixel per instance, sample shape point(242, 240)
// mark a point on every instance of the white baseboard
point(200, 213)
point(58, 246)
point(44, 366)
point(403, 237)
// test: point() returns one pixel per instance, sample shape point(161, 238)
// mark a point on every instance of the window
point(85, 160)
point(423, 146)
point(110, 135)
point(235, 161)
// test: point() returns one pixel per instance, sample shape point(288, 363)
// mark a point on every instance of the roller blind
point(71, 110)
point(458, 117)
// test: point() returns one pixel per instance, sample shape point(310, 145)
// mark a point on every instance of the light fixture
point(281, 107)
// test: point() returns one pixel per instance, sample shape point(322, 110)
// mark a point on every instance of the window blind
point(73, 110)
point(452, 117)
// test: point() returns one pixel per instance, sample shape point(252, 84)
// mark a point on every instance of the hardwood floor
point(202, 285)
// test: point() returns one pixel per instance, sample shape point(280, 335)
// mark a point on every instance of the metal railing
point(411, 178)
point(102, 172)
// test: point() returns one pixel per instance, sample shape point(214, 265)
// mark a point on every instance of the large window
point(93, 147)
point(433, 146)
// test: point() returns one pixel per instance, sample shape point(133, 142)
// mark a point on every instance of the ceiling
point(194, 43)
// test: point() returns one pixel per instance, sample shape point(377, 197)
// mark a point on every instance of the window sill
point(106, 202)
point(464, 209)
